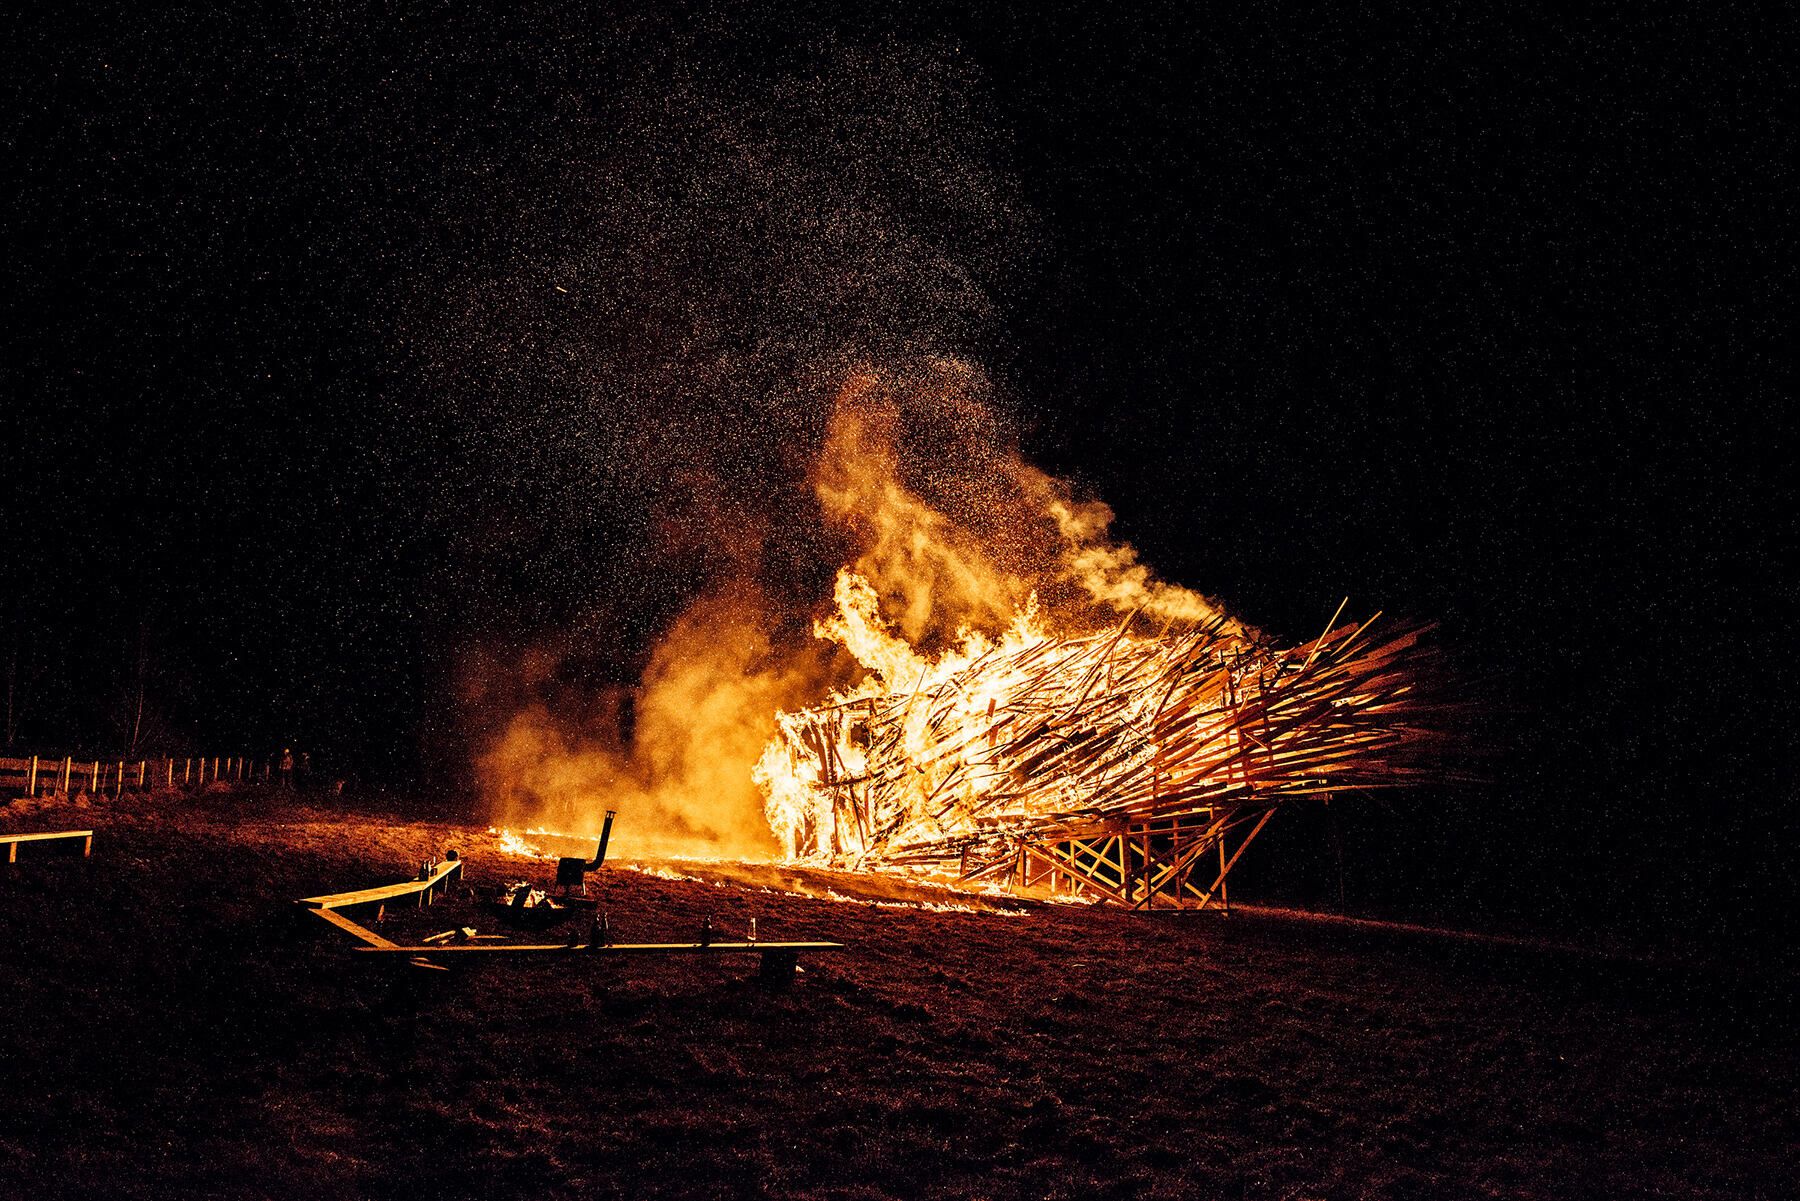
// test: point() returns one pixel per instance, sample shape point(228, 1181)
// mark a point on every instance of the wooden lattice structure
point(1132, 769)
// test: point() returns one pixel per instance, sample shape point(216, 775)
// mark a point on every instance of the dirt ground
point(176, 1028)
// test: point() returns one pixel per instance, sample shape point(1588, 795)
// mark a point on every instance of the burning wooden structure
point(1135, 769)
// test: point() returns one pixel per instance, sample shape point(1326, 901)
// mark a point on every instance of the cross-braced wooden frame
point(1143, 865)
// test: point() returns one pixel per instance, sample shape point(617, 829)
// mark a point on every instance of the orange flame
point(960, 552)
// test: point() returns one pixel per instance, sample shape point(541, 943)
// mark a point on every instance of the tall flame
point(965, 571)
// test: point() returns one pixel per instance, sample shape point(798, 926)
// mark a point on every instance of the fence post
point(119, 781)
point(169, 775)
point(31, 778)
point(68, 766)
point(95, 786)
point(143, 764)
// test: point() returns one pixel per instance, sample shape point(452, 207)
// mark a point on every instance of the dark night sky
point(1477, 318)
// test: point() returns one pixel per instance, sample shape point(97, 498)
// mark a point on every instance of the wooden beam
point(1225, 871)
point(386, 892)
point(1100, 859)
point(624, 948)
point(1084, 878)
point(46, 835)
point(12, 841)
point(1007, 860)
point(1183, 860)
point(361, 933)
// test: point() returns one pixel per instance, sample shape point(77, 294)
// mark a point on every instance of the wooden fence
point(40, 776)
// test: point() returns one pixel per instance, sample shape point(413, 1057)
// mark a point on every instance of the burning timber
point(1113, 765)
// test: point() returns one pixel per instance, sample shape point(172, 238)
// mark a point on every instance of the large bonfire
point(1104, 747)
point(1000, 688)
point(1030, 747)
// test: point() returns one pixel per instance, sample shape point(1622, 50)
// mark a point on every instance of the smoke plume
point(713, 337)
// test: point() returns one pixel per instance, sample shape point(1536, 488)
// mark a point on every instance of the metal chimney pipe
point(605, 837)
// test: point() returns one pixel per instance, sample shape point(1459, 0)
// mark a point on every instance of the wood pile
point(1065, 738)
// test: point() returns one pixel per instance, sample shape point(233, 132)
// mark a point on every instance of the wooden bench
point(12, 841)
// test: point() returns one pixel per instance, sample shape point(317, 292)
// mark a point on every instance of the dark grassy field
point(175, 1028)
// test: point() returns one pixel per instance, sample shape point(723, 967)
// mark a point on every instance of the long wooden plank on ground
point(622, 948)
point(360, 933)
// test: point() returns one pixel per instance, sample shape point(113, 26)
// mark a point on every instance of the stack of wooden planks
point(1071, 740)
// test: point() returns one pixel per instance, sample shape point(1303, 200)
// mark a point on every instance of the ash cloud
point(635, 367)
point(627, 353)
point(720, 341)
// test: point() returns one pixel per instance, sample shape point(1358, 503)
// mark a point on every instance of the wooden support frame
point(1138, 866)
point(1225, 868)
